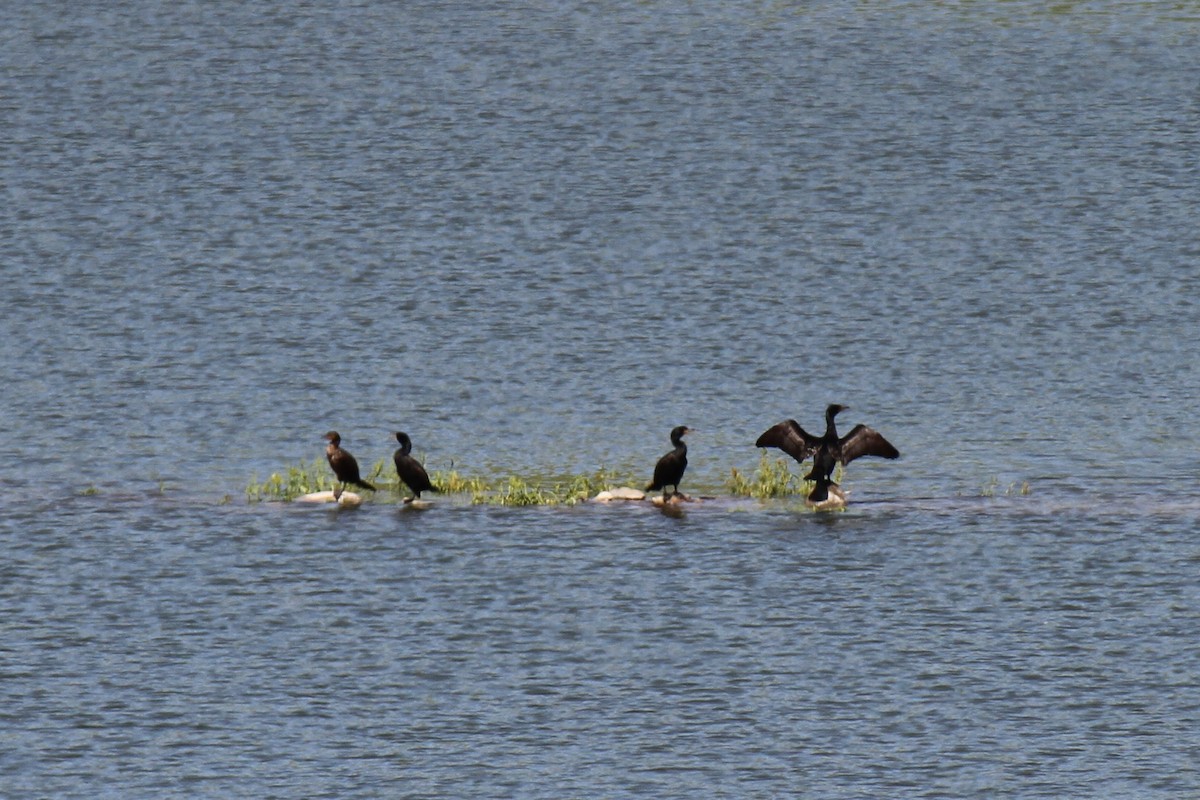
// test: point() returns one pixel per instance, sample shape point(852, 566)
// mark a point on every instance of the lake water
point(537, 237)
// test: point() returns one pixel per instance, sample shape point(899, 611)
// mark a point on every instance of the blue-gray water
point(537, 237)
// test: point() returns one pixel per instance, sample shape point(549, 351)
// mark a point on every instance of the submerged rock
point(676, 499)
point(347, 498)
point(410, 502)
point(623, 493)
point(834, 501)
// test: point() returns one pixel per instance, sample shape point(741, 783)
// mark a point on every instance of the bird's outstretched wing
point(864, 441)
point(789, 437)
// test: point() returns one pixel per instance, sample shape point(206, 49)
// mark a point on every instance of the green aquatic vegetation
point(585, 486)
point(299, 479)
point(372, 477)
point(771, 478)
point(518, 492)
point(1014, 489)
point(303, 478)
point(315, 476)
point(547, 491)
point(453, 482)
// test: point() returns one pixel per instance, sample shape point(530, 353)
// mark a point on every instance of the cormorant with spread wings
point(829, 450)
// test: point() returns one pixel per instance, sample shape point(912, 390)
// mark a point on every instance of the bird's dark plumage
point(344, 467)
point(409, 469)
point(827, 451)
point(669, 469)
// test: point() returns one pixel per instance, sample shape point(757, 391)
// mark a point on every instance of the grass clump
point(315, 476)
point(518, 492)
point(583, 487)
point(552, 491)
point(992, 489)
point(771, 478)
point(301, 479)
point(296, 480)
point(452, 482)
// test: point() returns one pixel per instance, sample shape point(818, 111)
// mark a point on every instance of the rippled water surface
point(537, 238)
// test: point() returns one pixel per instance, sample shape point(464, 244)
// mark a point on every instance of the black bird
point(344, 467)
point(827, 451)
point(669, 469)
point(409, 469)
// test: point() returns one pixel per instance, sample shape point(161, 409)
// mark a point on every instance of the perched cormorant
point(343, 465)
point(827, 451)
point(669, 469)
point(409, 469)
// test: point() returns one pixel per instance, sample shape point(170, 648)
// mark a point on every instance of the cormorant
point(344, 467)
point(409, 470)
point(669, 469)
point(828, 450)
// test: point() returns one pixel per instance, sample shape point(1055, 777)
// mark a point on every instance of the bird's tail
point(365, 485)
